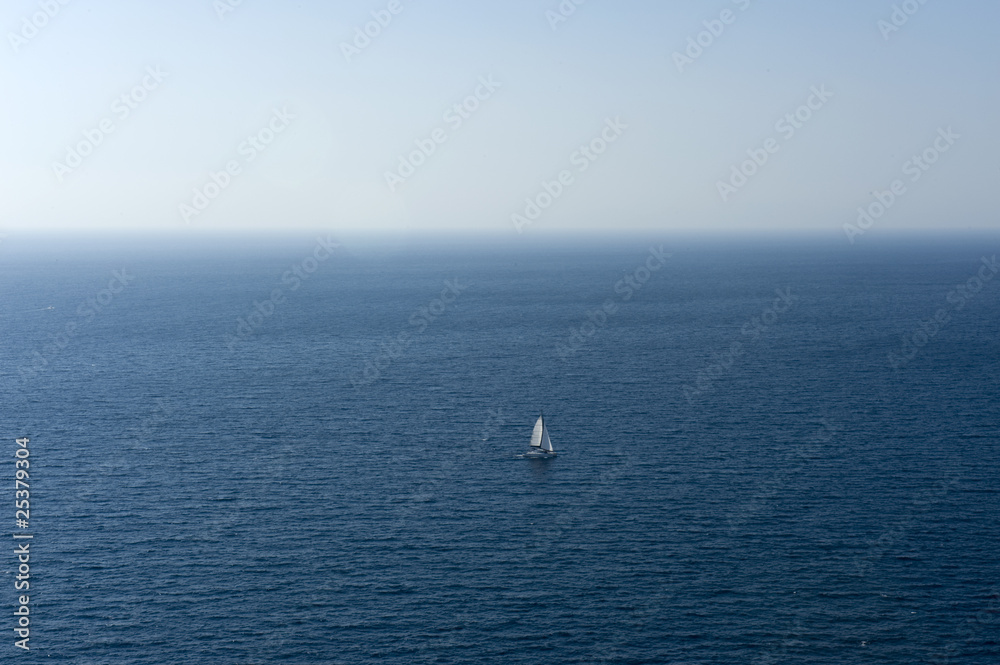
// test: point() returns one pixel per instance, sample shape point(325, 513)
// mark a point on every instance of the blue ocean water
point(769, 452)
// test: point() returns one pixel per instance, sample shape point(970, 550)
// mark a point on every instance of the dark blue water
point(341, 482)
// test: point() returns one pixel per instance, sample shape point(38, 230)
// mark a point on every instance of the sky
point(597, 117)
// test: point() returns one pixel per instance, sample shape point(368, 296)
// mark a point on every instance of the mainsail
point(536, 435)
point(540, 436)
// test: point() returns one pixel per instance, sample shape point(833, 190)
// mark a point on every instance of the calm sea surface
point(768, 453)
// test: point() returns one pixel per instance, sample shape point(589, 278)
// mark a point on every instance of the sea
point(308, 449)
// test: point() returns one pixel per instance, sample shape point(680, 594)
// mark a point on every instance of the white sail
point(536, 435)
point(546, 444)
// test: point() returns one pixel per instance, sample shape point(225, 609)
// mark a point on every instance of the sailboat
point(541, 446)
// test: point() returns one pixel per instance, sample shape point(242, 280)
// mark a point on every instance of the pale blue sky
point(609, 59)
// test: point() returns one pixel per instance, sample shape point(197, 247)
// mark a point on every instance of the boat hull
point(539, 454)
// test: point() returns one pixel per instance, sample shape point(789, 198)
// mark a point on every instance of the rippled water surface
point(341, 484)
